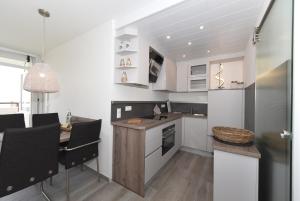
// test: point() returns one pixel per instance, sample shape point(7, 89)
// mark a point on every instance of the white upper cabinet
point(167, 77)
point(197, 77)
point(192, 76)
point(182, 77)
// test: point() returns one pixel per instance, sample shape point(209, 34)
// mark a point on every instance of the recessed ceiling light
point(168, 37)
point(184, 55)
point(208, 51)
point(190, 43)
point(201, 27)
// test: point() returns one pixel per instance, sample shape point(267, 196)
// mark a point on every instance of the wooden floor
point(186, 177)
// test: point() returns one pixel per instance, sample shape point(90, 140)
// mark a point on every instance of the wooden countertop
point(64, 137)
point(250, 151)
point(151, 123)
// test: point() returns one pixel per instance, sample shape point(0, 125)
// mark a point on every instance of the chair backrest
point(44, 119)
point(11, 121)
point(28, 156)
point(82, 134)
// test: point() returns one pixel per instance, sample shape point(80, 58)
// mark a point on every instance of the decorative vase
point(128, 62)
point(124, 77)
point(122, 63)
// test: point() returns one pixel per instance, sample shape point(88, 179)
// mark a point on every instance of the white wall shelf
point(130, 58)
point(126, 51)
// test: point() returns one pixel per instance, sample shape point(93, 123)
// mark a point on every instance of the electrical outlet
point(128, 108)
point(162, 105)
point(119, 113)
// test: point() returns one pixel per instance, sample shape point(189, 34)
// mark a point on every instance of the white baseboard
point(196, 151)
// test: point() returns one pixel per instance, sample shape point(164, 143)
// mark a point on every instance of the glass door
point(273, 107)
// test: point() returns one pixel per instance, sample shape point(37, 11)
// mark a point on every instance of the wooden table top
point(64, 137)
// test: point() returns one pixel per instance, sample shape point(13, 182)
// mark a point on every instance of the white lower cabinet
point(195, 133)
point(153, 150)
point(235, 177)
point(152, 164)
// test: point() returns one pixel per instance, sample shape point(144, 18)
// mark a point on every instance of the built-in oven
point(168, 138)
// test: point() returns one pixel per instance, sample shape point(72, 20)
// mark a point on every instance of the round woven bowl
point(233, 135)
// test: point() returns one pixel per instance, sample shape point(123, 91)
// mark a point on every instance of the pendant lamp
point(40, 77)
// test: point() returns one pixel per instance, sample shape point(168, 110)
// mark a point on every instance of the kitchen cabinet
point(195, 133)
point(235, 177)
point(182, 77)
point(154, 159)
point(225, 108)
point(197, 84)
point(166, 80)
point(137, 154)
point(191, 77)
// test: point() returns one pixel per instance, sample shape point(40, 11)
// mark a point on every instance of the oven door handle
point(166, 135)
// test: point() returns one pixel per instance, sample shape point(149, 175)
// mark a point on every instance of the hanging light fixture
point(40, 77)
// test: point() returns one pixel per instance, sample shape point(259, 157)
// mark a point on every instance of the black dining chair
point(44, 119)
point(11, 121)
point(28, 156)
point(82, 147)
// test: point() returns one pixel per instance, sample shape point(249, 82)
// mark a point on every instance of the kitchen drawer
point(153, 139)
point(152, 164)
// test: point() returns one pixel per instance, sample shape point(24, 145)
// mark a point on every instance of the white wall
point(250, 53)
point(249, 64)
point(232, 71)
point(85, 69)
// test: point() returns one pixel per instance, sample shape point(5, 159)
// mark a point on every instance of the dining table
point(64, 137)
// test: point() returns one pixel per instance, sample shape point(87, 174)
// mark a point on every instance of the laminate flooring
point(186, 177)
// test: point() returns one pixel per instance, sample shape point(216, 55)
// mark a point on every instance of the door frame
point(296, 107)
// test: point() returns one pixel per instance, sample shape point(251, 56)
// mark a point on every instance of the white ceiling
point(20, 24)
point(228, 25)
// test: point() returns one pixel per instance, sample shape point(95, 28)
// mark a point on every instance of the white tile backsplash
point(189, 97)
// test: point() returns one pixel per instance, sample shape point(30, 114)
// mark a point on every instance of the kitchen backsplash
point(199, 108)
point(132, 109)
point(138, 108)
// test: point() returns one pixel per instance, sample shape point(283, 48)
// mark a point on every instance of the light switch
point(128, 108)
point(119, 113)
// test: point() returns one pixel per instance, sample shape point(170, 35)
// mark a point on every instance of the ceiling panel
point(21, 25)
point(228, 25)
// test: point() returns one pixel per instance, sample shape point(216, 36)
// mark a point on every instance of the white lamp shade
point(41, 78)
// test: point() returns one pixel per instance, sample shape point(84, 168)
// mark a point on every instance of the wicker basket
point(233, 135)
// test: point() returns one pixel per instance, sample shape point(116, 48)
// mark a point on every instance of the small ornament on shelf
point(128, 62)
point(127, 44)
point(121, 45)
point(124, 77)
point(237, 84)
point(122, 63)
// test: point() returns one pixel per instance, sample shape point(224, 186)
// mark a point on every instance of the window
point(13, 99)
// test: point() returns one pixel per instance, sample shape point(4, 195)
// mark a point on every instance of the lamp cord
point(44, 39)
